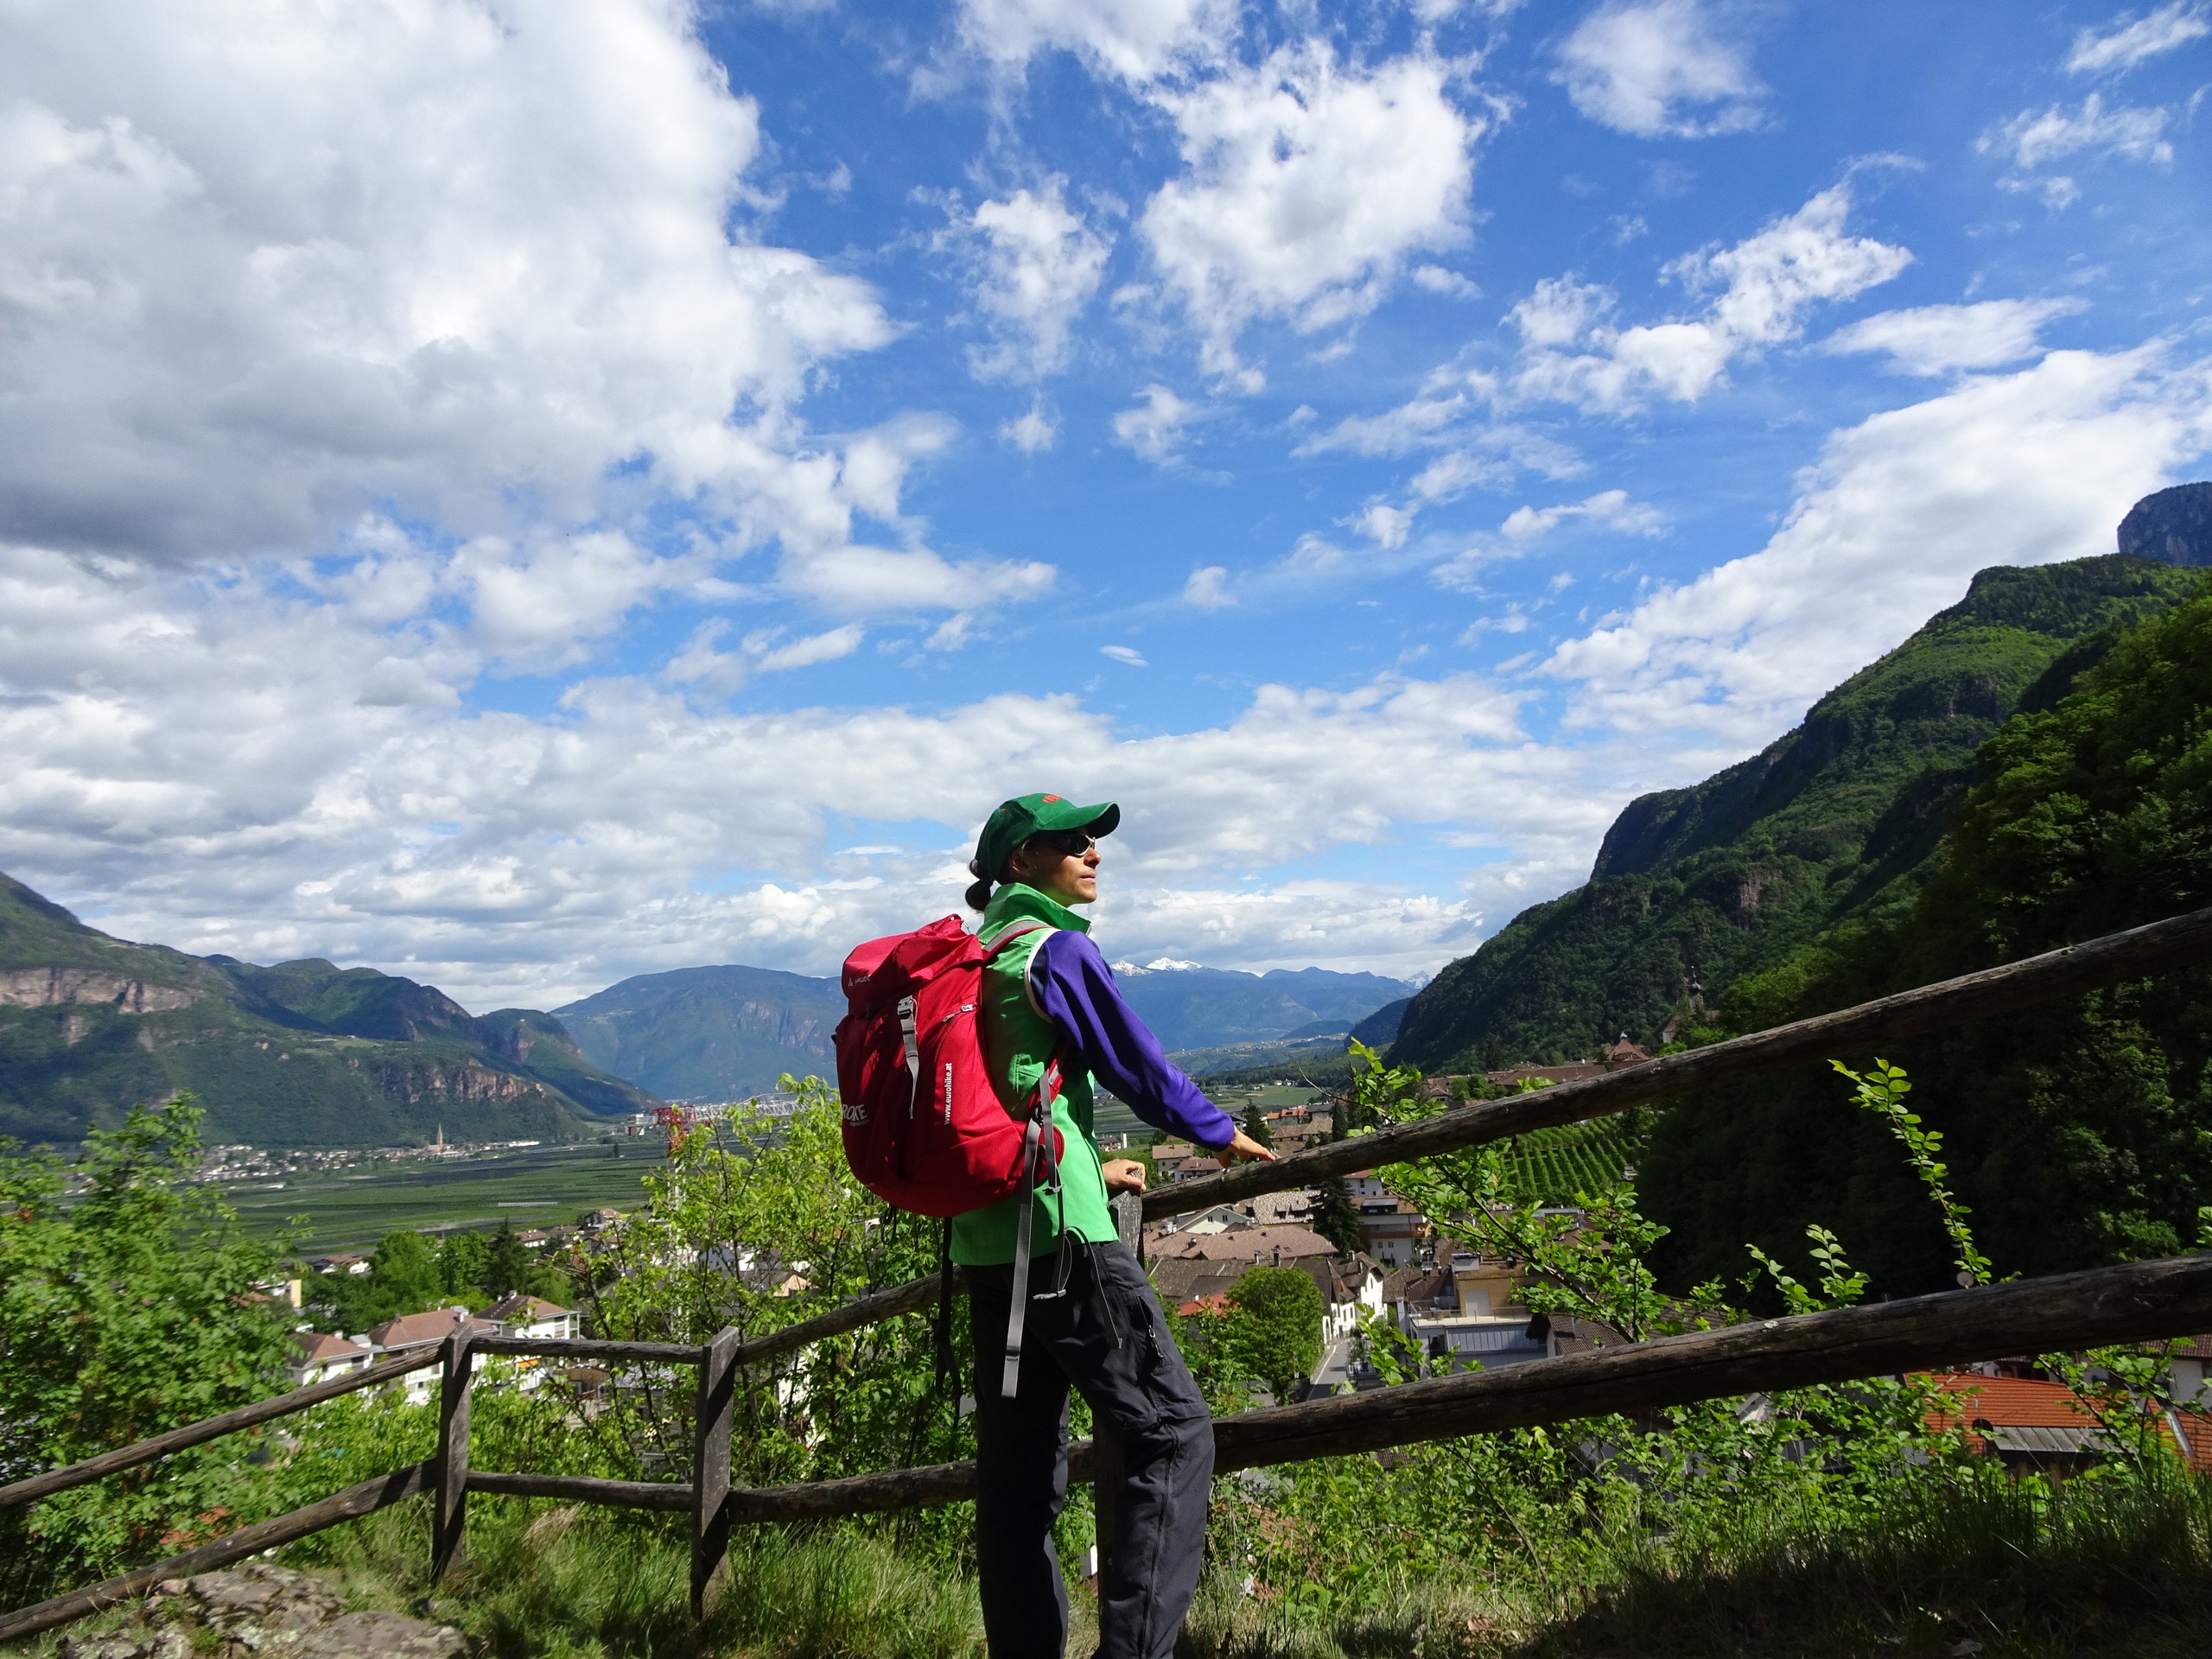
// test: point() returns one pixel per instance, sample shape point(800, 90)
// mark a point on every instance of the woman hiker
point(1092, 1321)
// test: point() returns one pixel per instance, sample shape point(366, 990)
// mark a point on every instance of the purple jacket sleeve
point(1075, 987)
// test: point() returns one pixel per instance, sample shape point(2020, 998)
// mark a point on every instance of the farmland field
point(534, 1186)
point(1113, 1117)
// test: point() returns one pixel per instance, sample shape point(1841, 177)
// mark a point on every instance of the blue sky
point(524, 494)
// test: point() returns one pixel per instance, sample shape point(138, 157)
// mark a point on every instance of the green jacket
point(1018, 1040)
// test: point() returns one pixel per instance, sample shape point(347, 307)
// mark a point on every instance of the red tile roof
point(2015, 1402)
point(1243, 1244)
point(2012, 1403)
point(412, 1330)
point(520, 1307)
point(313, 1347)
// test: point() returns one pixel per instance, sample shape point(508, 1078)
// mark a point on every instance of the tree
point(404, 1275)
point(1256, 1125)
point(1334, 1218)
point(130, 1308)
point(464, 1263)
point(1274, 1334)
point(506, 1263)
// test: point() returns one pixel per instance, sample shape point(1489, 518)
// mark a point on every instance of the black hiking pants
point(1141, 1394)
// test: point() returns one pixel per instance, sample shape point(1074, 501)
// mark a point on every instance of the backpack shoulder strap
point(1020, 931)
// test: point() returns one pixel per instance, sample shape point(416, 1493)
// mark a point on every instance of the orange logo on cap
point(1051, 798)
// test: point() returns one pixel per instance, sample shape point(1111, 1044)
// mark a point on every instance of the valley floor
point(533, 1187)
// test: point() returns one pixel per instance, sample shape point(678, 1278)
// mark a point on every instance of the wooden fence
point(2142, 1301)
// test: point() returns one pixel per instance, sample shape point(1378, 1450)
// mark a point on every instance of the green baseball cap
point(1017, 820)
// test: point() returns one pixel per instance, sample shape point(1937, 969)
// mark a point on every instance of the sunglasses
point(1069, 844)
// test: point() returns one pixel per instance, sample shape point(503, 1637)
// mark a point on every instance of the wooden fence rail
point(351, 1505)
point(212, 1428)
point(2137, 953)
point(2142, 1301)
point(446, 1476)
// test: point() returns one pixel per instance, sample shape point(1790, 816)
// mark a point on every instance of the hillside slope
point(1695, 889)
point(2079, 1132)
point(303, 1053)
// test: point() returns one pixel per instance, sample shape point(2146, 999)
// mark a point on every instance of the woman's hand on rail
point(1243, 1150)
point(1122, 1174)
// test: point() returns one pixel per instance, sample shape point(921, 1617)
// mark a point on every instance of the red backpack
point(925, 1127)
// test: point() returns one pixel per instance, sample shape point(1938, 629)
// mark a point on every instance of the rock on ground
point(260, 1609)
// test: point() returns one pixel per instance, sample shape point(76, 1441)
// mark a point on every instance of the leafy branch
point(1882, 1092)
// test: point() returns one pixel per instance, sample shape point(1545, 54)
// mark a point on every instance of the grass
point(2097, 1570)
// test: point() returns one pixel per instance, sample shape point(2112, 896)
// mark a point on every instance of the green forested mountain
point(2080, 1131)
point(1695, 889)
point(303, 1053)
point(709, 1033)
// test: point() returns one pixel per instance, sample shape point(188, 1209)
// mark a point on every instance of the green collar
point(1017, 900)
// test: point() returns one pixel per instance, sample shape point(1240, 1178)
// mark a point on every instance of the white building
point(518, 1315)
point(317, 1357)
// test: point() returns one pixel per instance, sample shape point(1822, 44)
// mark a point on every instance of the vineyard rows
point(1552, 1166)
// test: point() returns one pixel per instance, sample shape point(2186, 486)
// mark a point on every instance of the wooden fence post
point(717, 1406)
point(452, 1471)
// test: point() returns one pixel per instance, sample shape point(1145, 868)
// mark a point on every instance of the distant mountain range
point(306, 1054)
point(711, 1033)
point(1211, 1008)
point(303, 1053)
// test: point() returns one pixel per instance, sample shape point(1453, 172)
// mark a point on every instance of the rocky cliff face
point(51, 988)
point(2174, 525)
point(303, 1053)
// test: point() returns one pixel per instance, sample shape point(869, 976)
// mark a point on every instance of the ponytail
point(979, 891)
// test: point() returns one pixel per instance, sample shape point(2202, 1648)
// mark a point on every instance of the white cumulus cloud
point(265, 265)
point(535, 604)
point(1607, 510)
point(1572, 352)
point(1153, 428)
point(515, 859)
point(765, 650)
point(1035, 262)
point(1033, 431)
point(1208, 587)
point(2035, 138)
point(2128, 40)
point(1932, 339)
point(1888, 525)
point(1661, 69)
point(861, 579)
point(1307, 184)
point(1134, 40)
